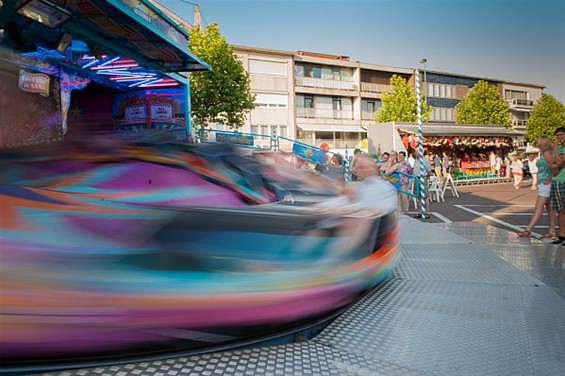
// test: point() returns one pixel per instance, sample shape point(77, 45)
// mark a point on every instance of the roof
point(138, 30)
point(443, 129)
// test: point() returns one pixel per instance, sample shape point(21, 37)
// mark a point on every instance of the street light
point(424, 61)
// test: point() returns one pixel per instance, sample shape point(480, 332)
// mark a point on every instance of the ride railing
point(256, 141)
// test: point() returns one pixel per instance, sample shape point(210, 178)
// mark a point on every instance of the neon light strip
point(90, 63)
point(133, 78)
point(145, 82)
point(116, 58)
point(160, 84)
point(120, 66)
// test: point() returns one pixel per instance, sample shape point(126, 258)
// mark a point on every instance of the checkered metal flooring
point(466, 299)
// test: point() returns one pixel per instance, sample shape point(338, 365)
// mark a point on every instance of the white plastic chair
point(434, 188)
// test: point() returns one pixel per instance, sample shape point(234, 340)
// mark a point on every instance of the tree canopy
point(483, 104)
point(547, 115)
point(223, 95)
point(400, 104)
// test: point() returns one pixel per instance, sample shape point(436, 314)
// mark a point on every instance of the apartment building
point(445, 90)
point(314, 98)
point(318, 98)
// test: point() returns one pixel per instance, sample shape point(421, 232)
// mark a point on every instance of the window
point(254, 129)
point(443, 114)
point(273, 68)
point(283, 131)
point(317, 72)
point(336, 104)
point(514, 94)
point(271, 100)
point(308, 101)
point(440, 90)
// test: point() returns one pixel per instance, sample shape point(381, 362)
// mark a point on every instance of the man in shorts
point(557, 193)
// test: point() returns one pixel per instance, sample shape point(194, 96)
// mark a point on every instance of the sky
point(513, 40)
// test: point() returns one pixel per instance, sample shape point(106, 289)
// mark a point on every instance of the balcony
point(375, 88)
point(519, 125)
point(517, 103)
point(334, 144)
point(314, 113)
point(321, 83)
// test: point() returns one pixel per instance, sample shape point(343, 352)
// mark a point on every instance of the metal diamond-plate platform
point(453, 306)
point(544, 261)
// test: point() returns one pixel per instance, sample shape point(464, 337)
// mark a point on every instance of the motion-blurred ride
point(109, 248)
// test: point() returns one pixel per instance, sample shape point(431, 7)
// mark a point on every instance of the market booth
point(89, 66)
point(468, 146)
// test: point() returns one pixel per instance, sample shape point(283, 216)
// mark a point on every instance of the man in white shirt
point(533, 168)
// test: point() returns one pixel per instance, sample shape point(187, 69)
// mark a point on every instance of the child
point(517, 168)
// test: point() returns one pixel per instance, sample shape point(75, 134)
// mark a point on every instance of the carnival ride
point(106, 249)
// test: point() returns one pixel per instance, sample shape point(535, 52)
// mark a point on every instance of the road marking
point(496, 220)
point(503, 213)
point(441, 217)
point(505, 205)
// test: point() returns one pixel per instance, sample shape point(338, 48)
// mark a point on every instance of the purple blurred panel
point(141, 175)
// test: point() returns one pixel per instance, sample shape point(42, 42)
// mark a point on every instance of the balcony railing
point(519, 123)
point(334, 144)
point(368, 115)
point(326, 83)
point(375, 88)
point(516, 102)
point(313, 113)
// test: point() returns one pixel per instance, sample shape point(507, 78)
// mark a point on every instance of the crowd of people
point(546, 169)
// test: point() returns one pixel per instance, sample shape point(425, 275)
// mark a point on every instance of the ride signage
point(34, 82)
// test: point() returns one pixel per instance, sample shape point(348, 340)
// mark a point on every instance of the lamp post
point(425, 61)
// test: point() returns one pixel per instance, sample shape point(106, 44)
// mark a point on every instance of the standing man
point(557, 193)
point(437, 165)
point(533, 168)
point(445, 164)
point(416, 171)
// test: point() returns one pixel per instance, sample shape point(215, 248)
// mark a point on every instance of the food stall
point(468, 146)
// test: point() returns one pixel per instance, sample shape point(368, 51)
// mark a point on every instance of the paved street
point(498, 205)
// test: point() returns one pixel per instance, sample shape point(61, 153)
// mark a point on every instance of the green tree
point(400, 104)
point(222, 95)
point(548, 115)
point(483, 104)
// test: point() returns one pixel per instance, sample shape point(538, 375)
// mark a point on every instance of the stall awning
point(330, 128)
point(136, 29)
point(457, 130)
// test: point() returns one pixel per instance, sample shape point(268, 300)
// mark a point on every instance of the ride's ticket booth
point(88, 66)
